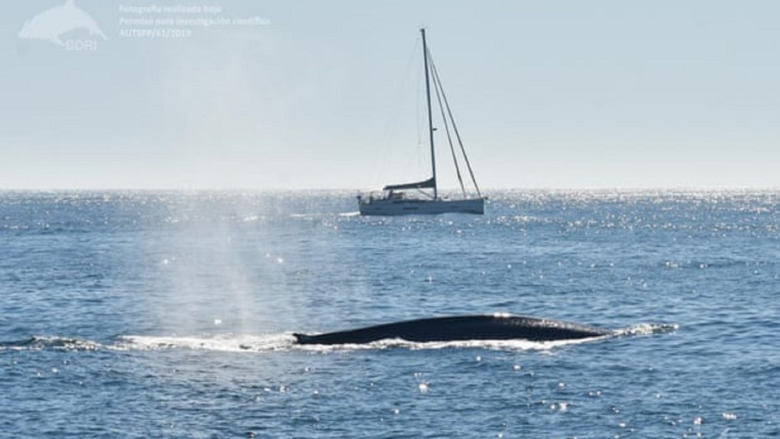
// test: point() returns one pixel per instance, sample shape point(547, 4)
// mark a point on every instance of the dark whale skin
point(460, 328)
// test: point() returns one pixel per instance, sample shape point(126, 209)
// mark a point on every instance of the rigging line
point(398, 106)
point(455, 128)
point(437, 88)
point(418, 93)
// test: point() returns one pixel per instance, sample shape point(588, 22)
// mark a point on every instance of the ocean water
point(170, 314)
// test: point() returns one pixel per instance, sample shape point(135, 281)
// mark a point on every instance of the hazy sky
point(325, 94)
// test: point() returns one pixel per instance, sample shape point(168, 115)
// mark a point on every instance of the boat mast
point(430, 116)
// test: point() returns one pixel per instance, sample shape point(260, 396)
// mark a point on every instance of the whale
point(460, 328)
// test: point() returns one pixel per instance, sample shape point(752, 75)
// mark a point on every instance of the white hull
point(391, 207)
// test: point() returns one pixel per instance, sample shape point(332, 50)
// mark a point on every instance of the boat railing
point(371, 196)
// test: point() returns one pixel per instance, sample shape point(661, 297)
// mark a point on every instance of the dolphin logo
point(52, 23)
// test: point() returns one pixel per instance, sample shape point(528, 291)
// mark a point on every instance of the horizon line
point(356, 190)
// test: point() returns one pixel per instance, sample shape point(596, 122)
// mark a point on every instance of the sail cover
point(429, 183)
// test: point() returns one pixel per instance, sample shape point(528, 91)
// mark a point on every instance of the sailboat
point(423, 197)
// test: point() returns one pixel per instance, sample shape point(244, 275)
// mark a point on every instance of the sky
point(327, 95)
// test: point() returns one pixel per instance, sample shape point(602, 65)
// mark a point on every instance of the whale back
point(459, 328)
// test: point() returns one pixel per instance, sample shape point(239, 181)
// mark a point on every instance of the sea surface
point(170, 314)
